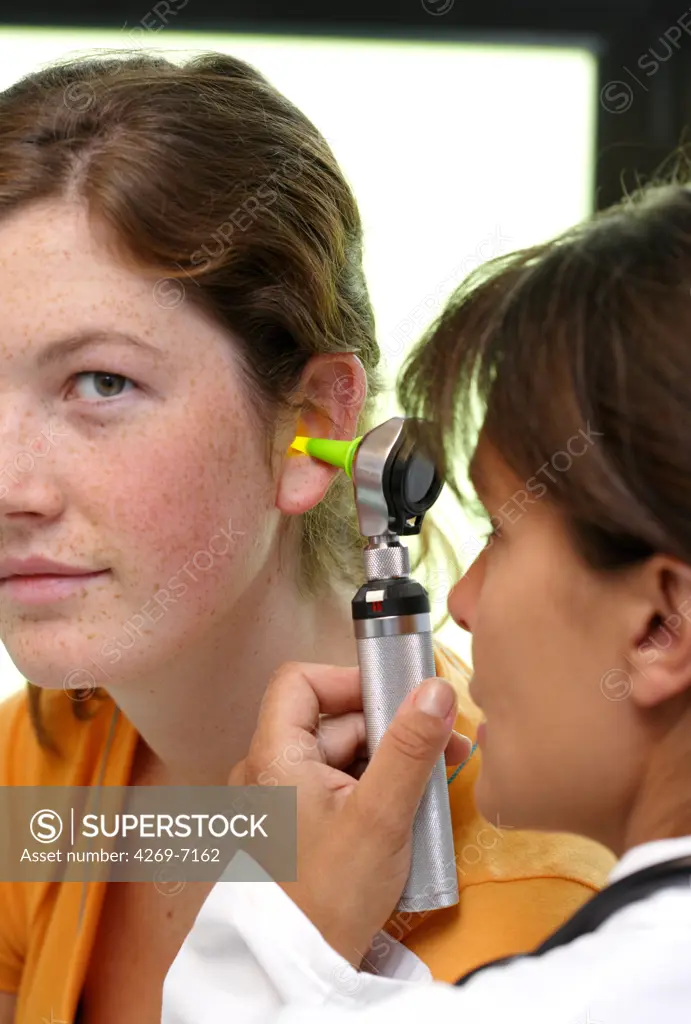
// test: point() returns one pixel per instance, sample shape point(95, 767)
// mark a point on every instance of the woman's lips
point(45, 587)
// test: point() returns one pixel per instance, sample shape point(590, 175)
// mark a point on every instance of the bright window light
point(456, 153)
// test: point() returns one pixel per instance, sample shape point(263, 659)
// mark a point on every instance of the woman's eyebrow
point(61, 347)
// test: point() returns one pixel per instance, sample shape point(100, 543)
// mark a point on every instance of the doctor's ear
point(660, 652)
point(334, 389)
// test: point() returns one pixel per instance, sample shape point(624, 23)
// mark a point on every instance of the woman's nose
point(464, 595)
point(27, 480)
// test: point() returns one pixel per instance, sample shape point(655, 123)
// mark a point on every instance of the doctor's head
point(180, 266)
point(562, 376)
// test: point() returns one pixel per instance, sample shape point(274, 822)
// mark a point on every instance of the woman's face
point(125, 446)
point(563, 747)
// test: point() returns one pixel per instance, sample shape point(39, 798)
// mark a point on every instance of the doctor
point(580, 611)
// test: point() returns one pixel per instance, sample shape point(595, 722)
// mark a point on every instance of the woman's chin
point(48, 678)
point(492, 803)
point(49, 674)
point(485, 795)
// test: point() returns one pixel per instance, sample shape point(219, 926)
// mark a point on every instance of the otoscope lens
point(418, 480)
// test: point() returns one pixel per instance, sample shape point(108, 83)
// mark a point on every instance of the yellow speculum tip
point(300, 444)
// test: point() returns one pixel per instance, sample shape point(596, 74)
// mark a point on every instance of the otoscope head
point(395, 483)
point(410, 481)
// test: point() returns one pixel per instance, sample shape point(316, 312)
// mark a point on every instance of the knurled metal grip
point(386, 562)
point(395, 653)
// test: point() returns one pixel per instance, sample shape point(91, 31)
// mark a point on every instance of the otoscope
point(395, 485)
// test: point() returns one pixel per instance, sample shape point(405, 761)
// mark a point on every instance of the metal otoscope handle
point(394, 487)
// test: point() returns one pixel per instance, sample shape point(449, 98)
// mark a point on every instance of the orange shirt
point(516, 887)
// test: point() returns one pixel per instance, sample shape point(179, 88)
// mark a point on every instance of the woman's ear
point(334, 388)
point(660, 652)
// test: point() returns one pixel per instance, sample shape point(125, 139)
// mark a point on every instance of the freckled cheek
point(174, 502)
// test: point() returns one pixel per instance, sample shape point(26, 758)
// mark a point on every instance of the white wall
point(456, 153)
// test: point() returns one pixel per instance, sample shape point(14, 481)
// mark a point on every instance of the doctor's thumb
point(394, 782)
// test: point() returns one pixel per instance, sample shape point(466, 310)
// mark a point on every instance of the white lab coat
point(253, 958)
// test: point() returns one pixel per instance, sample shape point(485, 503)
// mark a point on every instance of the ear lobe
point(334, 389)
point(302, 486)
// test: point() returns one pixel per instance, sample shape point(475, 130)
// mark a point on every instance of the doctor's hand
point(354, 834)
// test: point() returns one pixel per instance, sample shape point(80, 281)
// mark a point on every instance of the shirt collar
point(647, 854)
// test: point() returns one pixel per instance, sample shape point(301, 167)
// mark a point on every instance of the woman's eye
point(99, 385)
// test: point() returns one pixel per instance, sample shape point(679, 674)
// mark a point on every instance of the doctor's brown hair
point(206, 177)
point(588, 335)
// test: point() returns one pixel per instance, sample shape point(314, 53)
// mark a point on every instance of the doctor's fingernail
point(436, 698)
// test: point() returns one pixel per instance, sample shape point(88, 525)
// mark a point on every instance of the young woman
point(580, 612)
point(180, 267)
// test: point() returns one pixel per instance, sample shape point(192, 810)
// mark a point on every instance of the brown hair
point(214, 182)
point(585, 335)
